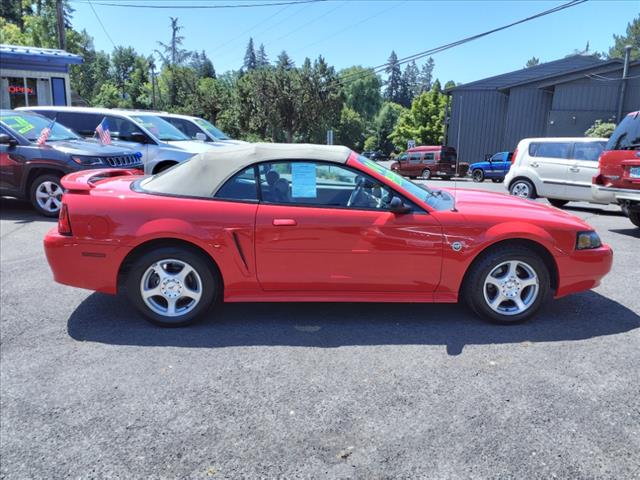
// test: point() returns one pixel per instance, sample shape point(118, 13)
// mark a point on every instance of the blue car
point(495, 167)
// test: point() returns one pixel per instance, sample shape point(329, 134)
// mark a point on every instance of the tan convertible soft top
point(205, 173)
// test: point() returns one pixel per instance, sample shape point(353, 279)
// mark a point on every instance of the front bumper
point(83, 265)
point(583, 270)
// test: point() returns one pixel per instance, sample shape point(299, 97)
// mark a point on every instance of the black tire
point(40, 185)
point(634, 216)
point(446, 178)
point(557, 203)
point(474, 285)
point(426, 174)
point(208, 276)
point(478, 176)
point(497, 180)
point(522, 183)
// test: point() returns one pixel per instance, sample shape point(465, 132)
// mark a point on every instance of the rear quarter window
point(626, 136)
point(550, 149)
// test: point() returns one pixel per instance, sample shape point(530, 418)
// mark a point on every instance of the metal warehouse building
point(554, 99)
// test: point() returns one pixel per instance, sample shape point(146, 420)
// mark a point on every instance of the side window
point(84, 124)
point(414, 158)
point(185, 126)
point(321, 184)
point(497, 157)
point(121, 128)
point(587, 151)
point(551, 150)
point(241, 187)
point(429, 157)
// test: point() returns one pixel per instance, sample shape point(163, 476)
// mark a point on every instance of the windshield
point(211, 128)
point(30, 126)
point(436, 199)
point(159, 128)
point(626, 136)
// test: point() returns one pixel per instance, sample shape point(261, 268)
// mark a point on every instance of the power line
point(377, 69)
point(182, 6)
point(313, 20)
point(101, 24)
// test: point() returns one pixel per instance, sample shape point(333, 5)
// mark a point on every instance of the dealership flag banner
point(45, 133)
point(103, 132)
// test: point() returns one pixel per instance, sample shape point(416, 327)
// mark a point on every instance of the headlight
point(87, 161)
point(587, 240)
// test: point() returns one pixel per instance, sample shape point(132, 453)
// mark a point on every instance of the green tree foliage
point(284, 61)
point(384, 125)
point(250, 56)
point(631, 37)
point(262, 60)
point(409, 86)
point(532, 62)
point(202, 65)
point(361, 89)
point(424, 122)
point(351, 129)
point(393, 91)
point(600, 129)
point(425, 78)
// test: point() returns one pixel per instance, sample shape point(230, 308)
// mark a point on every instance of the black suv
point(32, 171)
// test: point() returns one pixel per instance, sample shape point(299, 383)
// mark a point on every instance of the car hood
point(191, 146)
point(80, 147)
point(479, 165)
point(504, 207)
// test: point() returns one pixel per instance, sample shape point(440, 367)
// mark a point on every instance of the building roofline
point(45, 55)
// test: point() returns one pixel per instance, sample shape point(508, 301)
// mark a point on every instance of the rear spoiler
point(85, 180)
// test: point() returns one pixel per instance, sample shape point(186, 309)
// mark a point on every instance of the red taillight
point(513, 157)
point(64, 225)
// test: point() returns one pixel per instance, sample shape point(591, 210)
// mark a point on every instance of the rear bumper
point(604, 194)
point(583, 270)
point(90, 266)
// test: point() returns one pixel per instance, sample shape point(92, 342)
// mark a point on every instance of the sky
point(364, 32)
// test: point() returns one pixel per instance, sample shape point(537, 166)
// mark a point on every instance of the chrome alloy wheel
point(171, 287)
point(511, 288)
point(521, 189)
point(49, 196)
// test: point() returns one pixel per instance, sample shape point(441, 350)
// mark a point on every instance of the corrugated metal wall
point(491, 121)
point(480, 116)
point(527, 115)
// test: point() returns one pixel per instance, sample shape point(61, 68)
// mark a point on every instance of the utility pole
point(623, 85)
point(153, 83)
point(62, 42)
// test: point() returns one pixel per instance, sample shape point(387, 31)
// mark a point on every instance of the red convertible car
point(309, 223)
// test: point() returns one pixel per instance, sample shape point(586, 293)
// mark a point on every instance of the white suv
point(559, 169)
point(160, 143)
point(197, 128)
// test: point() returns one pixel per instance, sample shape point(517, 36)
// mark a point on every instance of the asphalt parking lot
point(89, 389)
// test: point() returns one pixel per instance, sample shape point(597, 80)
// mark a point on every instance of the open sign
point(16, 90)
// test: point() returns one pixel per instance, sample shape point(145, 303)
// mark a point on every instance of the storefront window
point(32, 92)
point(17, 97)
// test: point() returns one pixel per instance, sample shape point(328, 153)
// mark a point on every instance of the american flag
point(103, 132)
point(45, 133)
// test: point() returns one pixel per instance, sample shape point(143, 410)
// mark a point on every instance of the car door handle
point(284, 222)
point(574, 169)
point(535, 164)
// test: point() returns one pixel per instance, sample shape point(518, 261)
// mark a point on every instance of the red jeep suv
point(618, 179)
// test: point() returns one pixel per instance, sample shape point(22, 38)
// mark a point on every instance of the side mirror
point(396, 206)
point(138, 137)
point(201, 136)
point(7, 140)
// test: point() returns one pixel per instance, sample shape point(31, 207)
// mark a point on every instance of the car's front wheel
point(172, 286)
point(46, 195)
point(426, 174)
point(523, 188)
point(507, 285)
point(478, 176)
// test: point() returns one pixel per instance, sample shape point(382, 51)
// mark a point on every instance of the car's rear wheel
point(634, 216)
point(46, 195)
point(172, 286)
point(426, 174)
point(557, 203)
point(523, 188)
point(478, 176)
point(507, 285)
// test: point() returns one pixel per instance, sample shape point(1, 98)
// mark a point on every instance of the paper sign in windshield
point(303, 180)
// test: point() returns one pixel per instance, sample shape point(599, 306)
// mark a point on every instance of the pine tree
point(632, 38)
point(262, 60)
point(425, 78)
point(394, 80)
point(250, 56)
point(284, 61)
point(409, 88)
point(532, 62)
